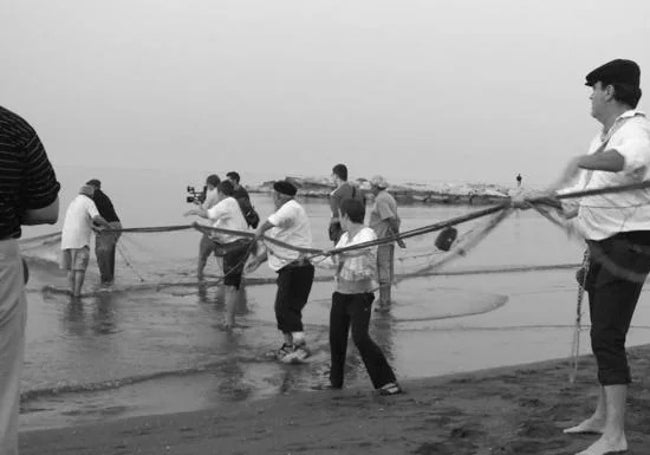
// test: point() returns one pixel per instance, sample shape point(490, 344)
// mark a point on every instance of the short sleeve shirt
point(383, 208)
point(292, 227)
point(345, 191)
point(27, 180)
point(227, 215)
point(77, 225)
point(600, 217)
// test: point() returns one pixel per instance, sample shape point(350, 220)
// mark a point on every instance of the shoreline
point(506, 410)
point(407, 193)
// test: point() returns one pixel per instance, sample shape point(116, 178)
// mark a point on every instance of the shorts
point(75, 259)
point(233, 265)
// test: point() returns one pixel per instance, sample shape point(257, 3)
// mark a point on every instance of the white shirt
point(600, 217)
point(77, 226)
point(227, 215)
point(292, 227)
point(356, 270)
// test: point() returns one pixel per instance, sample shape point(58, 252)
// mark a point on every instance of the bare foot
point(591, 425)
point(606, 446)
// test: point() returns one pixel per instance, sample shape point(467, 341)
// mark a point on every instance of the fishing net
point(159, 258)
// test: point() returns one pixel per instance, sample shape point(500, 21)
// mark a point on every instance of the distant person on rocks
point(385, 221)
point(352, 300)
point(206, 245)
point(105, 241)
point(617, 230)
point(344, 190)
point(75, 236)
point(28, 196)
point(519, 179)
point(288, 224)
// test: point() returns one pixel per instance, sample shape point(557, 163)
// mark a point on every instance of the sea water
point(153, 344)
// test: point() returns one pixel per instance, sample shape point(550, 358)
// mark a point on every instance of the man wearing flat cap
point(290, 225)
point(75, 237)
point(616, 227)
point(385, 221)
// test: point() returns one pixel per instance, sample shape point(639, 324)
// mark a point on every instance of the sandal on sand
point(390, 389)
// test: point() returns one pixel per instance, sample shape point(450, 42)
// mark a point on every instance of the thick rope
point(400, 236)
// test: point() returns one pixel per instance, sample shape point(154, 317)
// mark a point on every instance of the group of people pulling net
point(612, 217)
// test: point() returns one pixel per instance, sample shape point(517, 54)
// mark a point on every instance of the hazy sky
point(473, 90)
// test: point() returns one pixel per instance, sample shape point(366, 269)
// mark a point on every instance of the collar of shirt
point(619, 121)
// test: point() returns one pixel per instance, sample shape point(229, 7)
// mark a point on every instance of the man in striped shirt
point(28, 196)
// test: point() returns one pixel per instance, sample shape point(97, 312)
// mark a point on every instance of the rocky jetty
point(404, 193)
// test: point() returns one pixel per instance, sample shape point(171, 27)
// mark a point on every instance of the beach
point(512, 410)
point(145, 367)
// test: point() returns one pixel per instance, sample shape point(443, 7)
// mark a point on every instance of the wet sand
point(512, 410)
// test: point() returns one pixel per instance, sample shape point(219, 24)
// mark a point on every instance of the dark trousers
point(618, 268)
point(294, 285)
point(354, 310)
point(105, 244)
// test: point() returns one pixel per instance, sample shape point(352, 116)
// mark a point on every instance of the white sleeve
point(283, 217)
point(217, 211)
point(634, 147)
point(91, 208)
point(367, 235)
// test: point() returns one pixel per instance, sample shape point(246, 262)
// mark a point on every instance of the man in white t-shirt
point(75, 237)
point(290, 225)
point(227, 214)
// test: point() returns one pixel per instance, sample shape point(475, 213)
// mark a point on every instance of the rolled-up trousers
point(294, 285)
point(618, 268)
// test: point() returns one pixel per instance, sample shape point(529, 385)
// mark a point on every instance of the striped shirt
point(27, 180)
point(356, 270)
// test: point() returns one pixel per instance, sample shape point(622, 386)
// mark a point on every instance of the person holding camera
point(344, 190)
point(226, 214)
point(206, 245)
point(28, 196)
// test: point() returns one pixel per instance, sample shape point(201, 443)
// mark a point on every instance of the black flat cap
point(617, 71)
point(284, 187)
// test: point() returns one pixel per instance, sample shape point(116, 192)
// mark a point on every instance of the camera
point(196, 197)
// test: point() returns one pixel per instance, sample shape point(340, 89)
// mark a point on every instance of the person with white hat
point(385, 221)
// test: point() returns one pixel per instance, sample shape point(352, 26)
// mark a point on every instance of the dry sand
point(516, 410)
